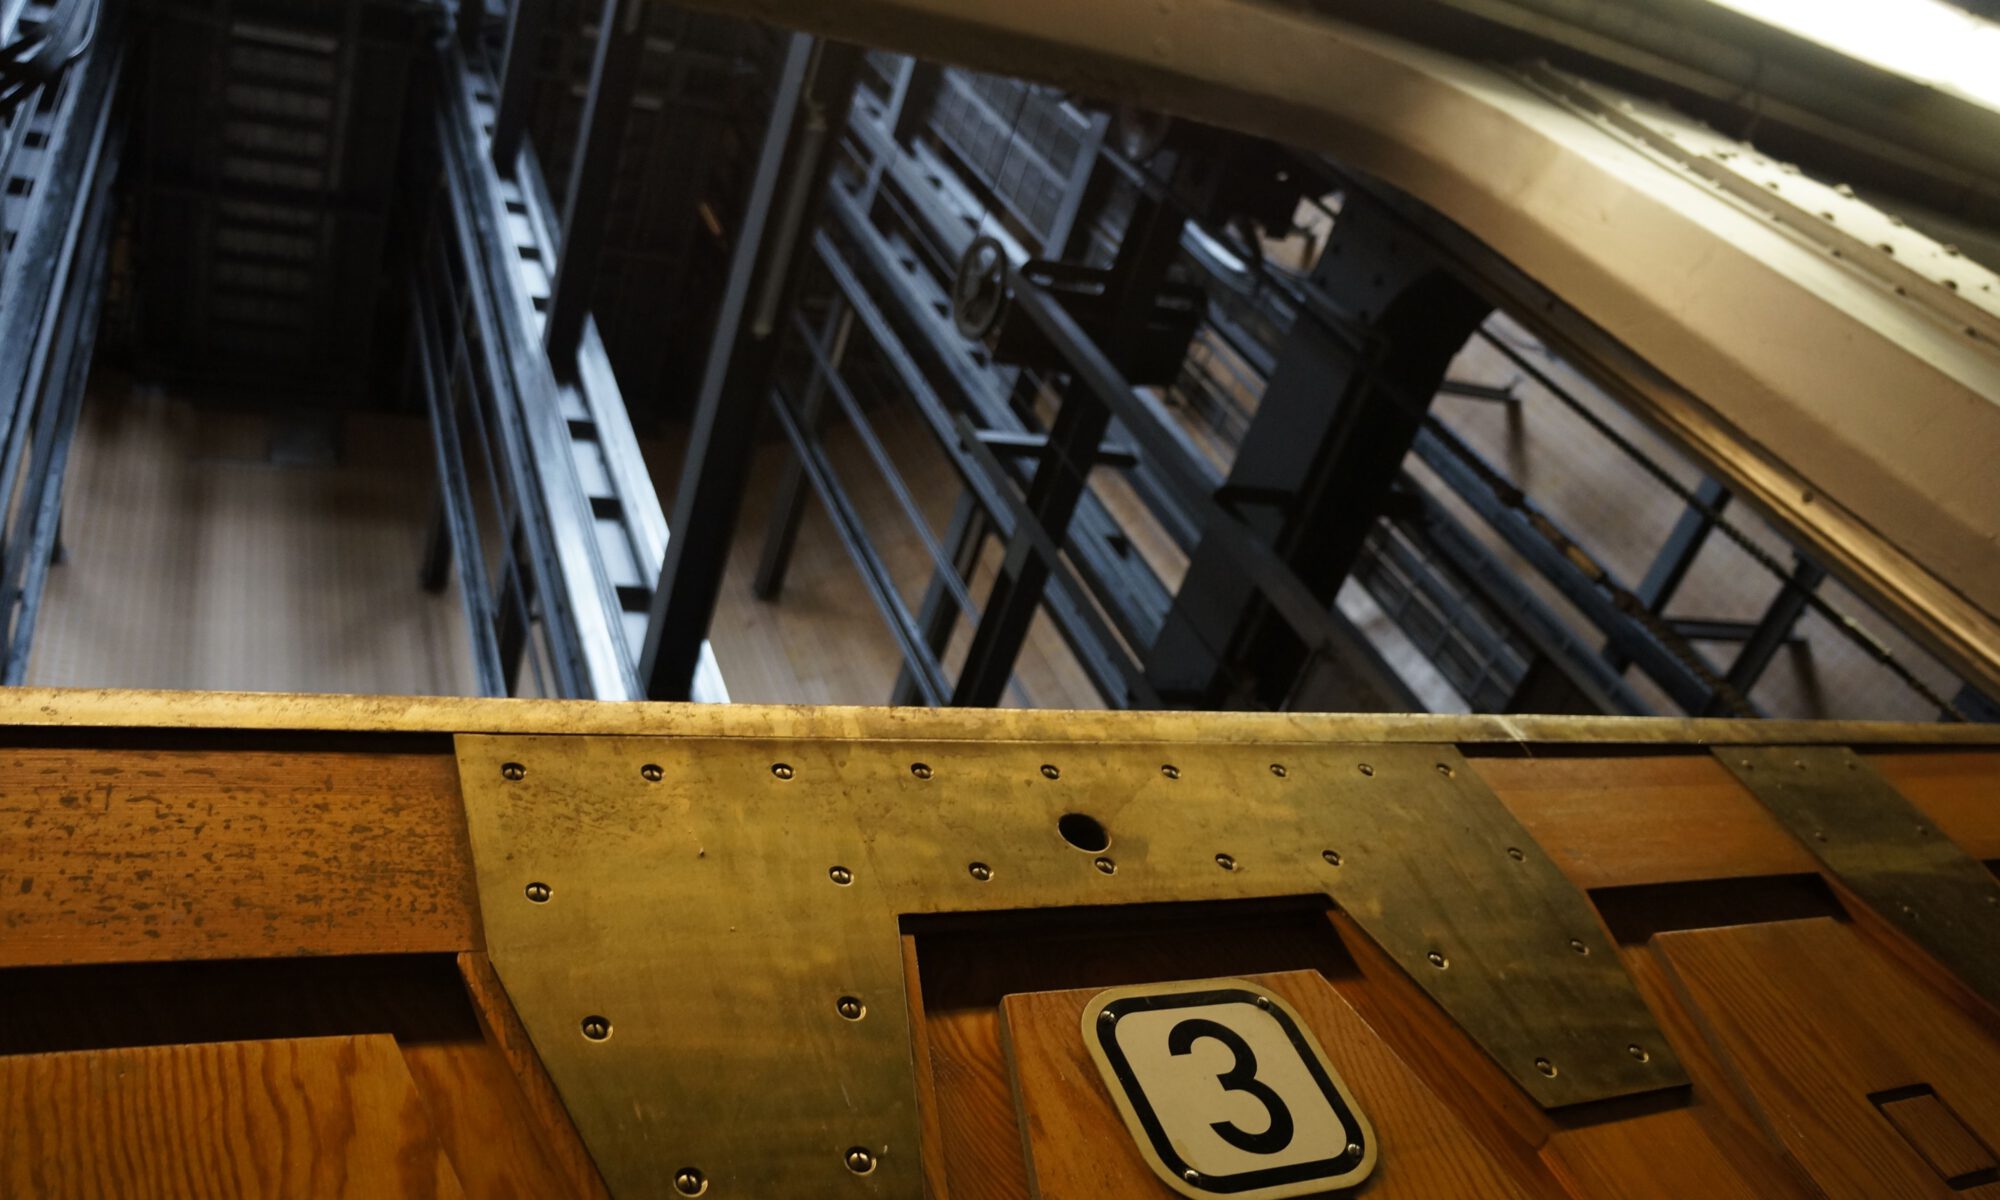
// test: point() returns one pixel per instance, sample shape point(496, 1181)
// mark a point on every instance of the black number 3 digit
point(1240, 1077)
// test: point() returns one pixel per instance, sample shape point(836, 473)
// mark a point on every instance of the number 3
point(1240, 1077)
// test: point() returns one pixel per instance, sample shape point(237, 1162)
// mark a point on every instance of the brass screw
point(597, 1028)
point(690, 1182)
point(1278, 769)
point(512, 772)
point(860, 1161)
point(1264, 1002)
point(1438, 960)
point(1332, 857)
point(782, 770)
point(851, 1007)
point(1170, 771)
point(1107, 866)
point(1546, 1067)
point(921, 770)
point(1108, 1017)
point(1191, 1175)
point(840, 875)
point(652, 773)
point(540, 892)
point(1049, 771)
point(1577, 945)
point(1515, 853)
point(1353, 1150)
point(981, 871)
point(1639, 1052)
point(1367, 770)
point(1226, 862)
point(1445, 770)
point(1921, 831)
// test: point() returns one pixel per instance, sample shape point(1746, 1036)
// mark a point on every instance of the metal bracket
point(702, 935)
point(1884, 850)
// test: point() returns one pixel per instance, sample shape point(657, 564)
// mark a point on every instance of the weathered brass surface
point(110, 708)
point(717, 918)
point(1883, 850)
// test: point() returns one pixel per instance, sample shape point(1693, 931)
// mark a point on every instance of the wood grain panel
point(318, 1117)
point(1811, 1022)
point(150, 854)
point(1079, 1148)
point(1959, 790)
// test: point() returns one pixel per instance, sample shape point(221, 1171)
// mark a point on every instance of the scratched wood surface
point(1820, 1030)
point(318, 1117)
point(1078, 1148)
point(125, 855)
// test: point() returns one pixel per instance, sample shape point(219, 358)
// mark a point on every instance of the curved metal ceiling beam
point(1856, 405)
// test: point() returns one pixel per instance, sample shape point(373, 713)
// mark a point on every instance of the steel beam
point(809, 110)
point(614, 72)
point(527, 21)
point(1676, 555)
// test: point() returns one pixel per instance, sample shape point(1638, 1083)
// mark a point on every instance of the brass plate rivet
point(690, 1182)
point(1577, 945)
point(1170, 771)
point(1445, 770)
point(1107, 866)
point(980, 871)
point(1332, 857)
point(1353, 1150)
point(1546, 1067)
point(1226, 862)
point(1278, 769)
point(597, 1028)
point(921, 770)
point(851, 1007)
point(1367, 770)
point(1264, 1002)
point(1639, 1052)
point(1191, 1175)
point(539, 892)
point(782, 770)
point(1515, 853)
point(1438, 960)
point(652, 773)
point(860, 1161)
point(840, 875)
point(1049, 771)
point(512, 772)
point(1108, 1017)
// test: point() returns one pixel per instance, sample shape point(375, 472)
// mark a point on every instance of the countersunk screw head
point(1546, 1067)
point(597, 1028)
point(540, 892)
point(690, 1182)
point(860, 1161)
point(851, 1007)
point(1445, 770)
point(652, 773)
point(1639, 1052)
point(1049, 771)
point(840, 875)
point(921, 770)
point(1170, 771)
point(980, 871)
point(1332, 857)
point(1367, 770)
point(1577, 945)
point(513, 772)
point(1278, 769)
point(782, 770)
point(1515, 853)
point(1107, 866)
point(1226, 862)
point(1438, 960)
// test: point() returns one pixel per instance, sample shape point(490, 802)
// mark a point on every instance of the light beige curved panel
point(1853, 398)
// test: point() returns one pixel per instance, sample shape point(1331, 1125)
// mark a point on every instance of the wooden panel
point(148, 854)
point(1811, 1023)
point(1611, 822)
point(319, 1117)
point(1079, 1148)
point(492, 1136)
point(1956, 789)
point(1952, 1150)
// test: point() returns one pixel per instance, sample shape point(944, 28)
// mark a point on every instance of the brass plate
point(1185, 1062)
point(702, 914)
point(1883, 850)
